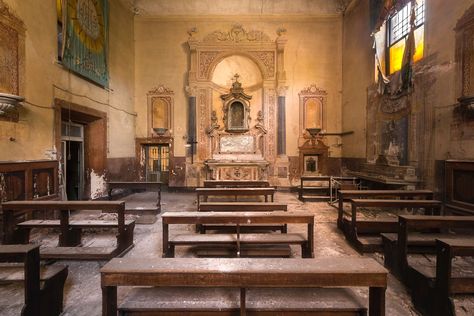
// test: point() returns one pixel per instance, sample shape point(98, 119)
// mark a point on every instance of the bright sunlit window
point(399, 27)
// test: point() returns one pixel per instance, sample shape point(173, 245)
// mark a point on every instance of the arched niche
point(248, 70)
point(160, 111)
point(236, 110)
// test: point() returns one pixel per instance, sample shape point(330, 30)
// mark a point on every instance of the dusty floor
point(82, 290)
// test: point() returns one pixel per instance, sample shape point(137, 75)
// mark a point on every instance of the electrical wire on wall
point(98, 102)
point(81, 96)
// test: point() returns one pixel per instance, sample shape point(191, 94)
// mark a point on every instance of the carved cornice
point(237, 34)
point(10, 19)
point(160, 90)
point(312, 90)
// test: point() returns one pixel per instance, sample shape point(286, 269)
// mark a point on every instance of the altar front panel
point(237, 171)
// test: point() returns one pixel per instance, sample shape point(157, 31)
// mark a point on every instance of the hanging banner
point(86, 39)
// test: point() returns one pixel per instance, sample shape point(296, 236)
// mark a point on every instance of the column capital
point(281, 90)
point(191, 90)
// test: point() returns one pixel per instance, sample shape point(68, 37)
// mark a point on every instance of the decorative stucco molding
point(312, 90)
point(237, 34)
point(161, 90)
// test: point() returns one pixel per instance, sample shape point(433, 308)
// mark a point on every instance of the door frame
point(140, 144)
point(95, 137)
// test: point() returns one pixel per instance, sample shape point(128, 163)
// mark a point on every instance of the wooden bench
point(238, 240)
point(236, 184)
point(241, 207)
point(344, 195)
point(450, 281)
point(197, 286)
point(364, 234)
point(417, 234)
point(43, 286)
point(235, 192)
point(148, 186)
point(70, 230)
point(315, 192)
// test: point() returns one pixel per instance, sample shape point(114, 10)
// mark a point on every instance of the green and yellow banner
point(85, 29)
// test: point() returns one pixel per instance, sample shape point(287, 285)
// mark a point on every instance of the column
point(281, 135)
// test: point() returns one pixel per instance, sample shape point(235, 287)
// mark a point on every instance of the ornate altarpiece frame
point(167, 97)
point(307, 96)
point(205, 54)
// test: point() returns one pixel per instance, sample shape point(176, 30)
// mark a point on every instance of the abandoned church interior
point(237, 157)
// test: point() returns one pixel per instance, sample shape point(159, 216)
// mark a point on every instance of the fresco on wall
point(395, 139)
point(85, 42)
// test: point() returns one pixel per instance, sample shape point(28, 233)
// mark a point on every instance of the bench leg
point(52, 294)
point(169, 253)
point(377, 301)
point(70, 238)
point(109, 301)
point(306, 251)
point(243, 311)
point(125, 237)
point(20, 236)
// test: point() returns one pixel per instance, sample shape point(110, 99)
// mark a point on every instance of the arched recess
point(250, 76)
point(205, 55)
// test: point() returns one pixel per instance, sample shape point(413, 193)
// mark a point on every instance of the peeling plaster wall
point(437, 133)
point(98, 185)
point(453, 138)
point(34, 132)
point(312, 56)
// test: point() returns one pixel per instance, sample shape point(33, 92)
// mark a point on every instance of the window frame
point(388, 35)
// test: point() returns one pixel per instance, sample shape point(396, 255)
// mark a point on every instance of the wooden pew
point(238, 240)
point(264, 286)
point(148, 186)
point(450, 281)
point(304, 189)
point(344, 195)
point(235, 192)
point(236, 184)
point(43, 286)
point(372, 228)
point(241, 207)
point(70, 230)
point(417, 235)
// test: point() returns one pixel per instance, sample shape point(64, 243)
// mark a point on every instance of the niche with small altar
point(313, 153)
point(237, 147)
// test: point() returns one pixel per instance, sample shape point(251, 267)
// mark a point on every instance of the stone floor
point(83, 292)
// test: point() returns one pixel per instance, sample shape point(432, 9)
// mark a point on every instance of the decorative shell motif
point(8, 102)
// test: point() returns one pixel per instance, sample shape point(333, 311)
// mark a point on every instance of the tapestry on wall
point(86, 39)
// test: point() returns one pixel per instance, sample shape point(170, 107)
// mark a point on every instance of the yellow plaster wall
point(312, 56)
point(358, 74)
point(46, 80)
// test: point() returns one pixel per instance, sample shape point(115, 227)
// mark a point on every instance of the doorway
point(157, 163)
point(72, 148)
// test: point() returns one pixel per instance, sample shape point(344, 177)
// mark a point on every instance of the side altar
point(237, 147)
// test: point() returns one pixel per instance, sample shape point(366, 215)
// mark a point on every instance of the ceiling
point(157, 8)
